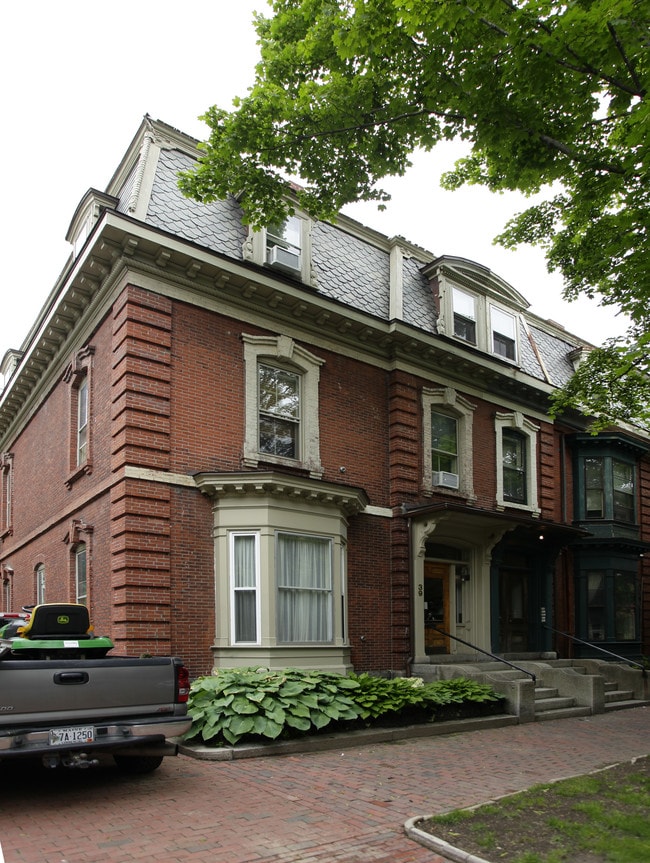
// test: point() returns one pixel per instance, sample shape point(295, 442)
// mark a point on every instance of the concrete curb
point(343, 740)
point(449, 852)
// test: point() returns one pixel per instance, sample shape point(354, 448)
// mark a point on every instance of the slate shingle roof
point(348, 268)
point(218, 226)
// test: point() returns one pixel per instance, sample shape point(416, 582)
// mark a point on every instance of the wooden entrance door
point(436, 607)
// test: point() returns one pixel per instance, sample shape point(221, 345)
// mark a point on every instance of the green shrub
point(257, 703)
point(377, 696)
point(237, 703)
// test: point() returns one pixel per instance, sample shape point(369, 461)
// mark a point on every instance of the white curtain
point(304, 574)
point(244, 584)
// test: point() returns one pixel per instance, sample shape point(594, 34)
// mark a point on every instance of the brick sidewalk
point(342, 806)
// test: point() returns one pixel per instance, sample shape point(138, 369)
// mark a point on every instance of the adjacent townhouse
point(309, 446)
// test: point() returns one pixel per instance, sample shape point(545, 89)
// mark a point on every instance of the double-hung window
point(82, 421)
point(284, 244)
point(594, 478)
point(504, 334)
point(279, 411)
point(516, 461)
point(611, 605)
point(79, 376)
point(244, 569)
point(81, 574)
point(465, 316)
point(623, 491)
point(282, 419)
point(6, 493)
point(514, 466)
point(447, 441)
point(444, 442)
point(40, 584)
point(304, 580)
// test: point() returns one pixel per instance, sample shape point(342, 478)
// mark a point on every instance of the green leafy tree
point(551, 96)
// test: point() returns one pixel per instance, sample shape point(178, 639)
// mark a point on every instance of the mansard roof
point(351, 262)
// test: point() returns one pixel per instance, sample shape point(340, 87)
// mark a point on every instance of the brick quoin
point(140, 543)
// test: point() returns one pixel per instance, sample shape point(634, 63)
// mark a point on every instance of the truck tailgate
point(39, 691)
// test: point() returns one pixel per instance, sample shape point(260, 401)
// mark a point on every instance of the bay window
point(280, 552)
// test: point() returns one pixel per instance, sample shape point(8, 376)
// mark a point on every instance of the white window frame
point(495, 313)
point(529, 432)
point(6, 496)
point(459, 293)
point(234, 589)
point(485, 312)
point(40, 583)
point(81, 551)
point(283, 352)
point(447, 401)
point(82, 420)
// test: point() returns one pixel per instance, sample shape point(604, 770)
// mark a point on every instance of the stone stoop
point(562, 687)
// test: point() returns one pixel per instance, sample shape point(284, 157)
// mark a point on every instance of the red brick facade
point(161, 488)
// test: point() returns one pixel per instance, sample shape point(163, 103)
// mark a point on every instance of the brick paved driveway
point(342, 806)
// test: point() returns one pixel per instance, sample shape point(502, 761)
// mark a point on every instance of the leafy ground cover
point(598, 818)
point(248, 704)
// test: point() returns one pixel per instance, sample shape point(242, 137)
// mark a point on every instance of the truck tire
point(137, 763)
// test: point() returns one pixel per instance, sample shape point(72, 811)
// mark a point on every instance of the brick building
point(310, 445)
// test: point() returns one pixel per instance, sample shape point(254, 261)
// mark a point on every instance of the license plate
point(63, 736)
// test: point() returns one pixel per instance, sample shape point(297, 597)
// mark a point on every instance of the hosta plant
point(257, 703)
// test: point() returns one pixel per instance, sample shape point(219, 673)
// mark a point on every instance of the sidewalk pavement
point(343, 805)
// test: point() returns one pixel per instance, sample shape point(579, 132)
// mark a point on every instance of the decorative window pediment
point(282, 411)
point(86, 216)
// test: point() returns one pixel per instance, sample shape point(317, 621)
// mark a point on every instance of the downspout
point(409, 533)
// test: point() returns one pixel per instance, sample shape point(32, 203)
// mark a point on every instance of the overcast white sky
point(78, 78)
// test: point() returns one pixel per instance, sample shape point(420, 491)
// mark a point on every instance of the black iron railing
point(486, 653)
point(599, 648)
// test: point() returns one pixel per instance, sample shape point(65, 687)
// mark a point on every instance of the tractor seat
point(58, 620)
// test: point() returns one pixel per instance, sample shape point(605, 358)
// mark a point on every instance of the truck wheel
point(138, 763)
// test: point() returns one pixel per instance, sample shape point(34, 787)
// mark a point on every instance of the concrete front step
point(558, 702)
point(624, 704)
point(561, 688)
point(562, 713)
point(613, 694)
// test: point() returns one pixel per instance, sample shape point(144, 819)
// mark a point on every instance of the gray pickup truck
point(64, 700)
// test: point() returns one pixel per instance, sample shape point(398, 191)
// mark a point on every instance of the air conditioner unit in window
point(445, 479)
point(284, 259)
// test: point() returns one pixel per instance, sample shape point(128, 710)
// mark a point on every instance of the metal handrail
point(487, 653)
point(597, 647)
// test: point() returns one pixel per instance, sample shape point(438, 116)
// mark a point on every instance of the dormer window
point(486, 326)
point(284, 245)
point(476, 308)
